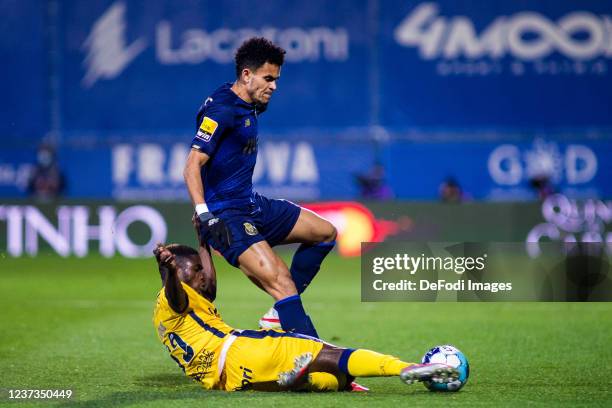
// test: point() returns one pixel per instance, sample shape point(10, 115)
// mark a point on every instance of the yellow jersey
point(195, 337)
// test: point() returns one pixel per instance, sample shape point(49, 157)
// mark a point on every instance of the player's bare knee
point(328, 232)
point(333, 233)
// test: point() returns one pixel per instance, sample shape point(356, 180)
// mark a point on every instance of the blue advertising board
point(290, 168)
point(515, 64)
point(493, 170)
point(300, 168)
point(116, 84)
point(24, 106)
point(140, 65)
point(16, 166)
point(127, 66)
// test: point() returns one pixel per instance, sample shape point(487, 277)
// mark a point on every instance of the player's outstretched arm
point(177, 298)
point(210, 289)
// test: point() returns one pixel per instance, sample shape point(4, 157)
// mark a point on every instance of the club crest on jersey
point(207, 129)
point(247, 122)
point(250, 228)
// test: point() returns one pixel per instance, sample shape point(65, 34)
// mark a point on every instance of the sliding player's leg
point(358, 363)
point(346, 364)
point(273, 361)
point(259, 262)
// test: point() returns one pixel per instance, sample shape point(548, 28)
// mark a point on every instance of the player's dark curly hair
point(179, 251)
point(255, 52)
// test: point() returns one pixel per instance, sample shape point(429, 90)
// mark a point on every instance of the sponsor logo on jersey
point(247, 376)
point(203, 365)
point(207, 129)
point(250, 228)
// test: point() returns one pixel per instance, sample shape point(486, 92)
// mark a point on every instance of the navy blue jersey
point(227, 133)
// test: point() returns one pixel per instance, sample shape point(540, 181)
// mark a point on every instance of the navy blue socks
point(293, 317)
point(307, 262)
point(304, 267)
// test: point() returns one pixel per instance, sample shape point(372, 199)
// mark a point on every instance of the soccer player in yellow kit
point(221, 357)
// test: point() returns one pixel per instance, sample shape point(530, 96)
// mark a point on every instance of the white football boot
point(435, 372)
point(298, 373)
point(270, 320)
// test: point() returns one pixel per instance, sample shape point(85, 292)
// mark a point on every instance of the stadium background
point(491, 94)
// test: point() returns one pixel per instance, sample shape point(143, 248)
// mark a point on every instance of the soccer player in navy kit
point(236, 221)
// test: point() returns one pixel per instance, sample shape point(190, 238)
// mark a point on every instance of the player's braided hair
point(255, 52)
point(179, 251)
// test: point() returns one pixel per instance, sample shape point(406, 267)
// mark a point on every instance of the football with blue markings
point(451, 356)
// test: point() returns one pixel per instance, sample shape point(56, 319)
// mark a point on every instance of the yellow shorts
point(257, 357)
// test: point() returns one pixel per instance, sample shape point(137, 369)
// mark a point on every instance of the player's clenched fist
point(165, 257)
point(214, 230)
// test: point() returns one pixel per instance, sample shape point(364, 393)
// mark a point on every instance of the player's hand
point(165, 257)
point(214, 230)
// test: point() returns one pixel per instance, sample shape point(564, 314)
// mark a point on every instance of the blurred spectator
point(372, 184)
point(542, 186)
point(47, 180)
point(450, 191)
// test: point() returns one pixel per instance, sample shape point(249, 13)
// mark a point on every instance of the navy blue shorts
point(268, 219)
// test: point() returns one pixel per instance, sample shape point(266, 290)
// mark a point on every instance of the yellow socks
point(322, 382)
point(367, 363)
point(356, 363)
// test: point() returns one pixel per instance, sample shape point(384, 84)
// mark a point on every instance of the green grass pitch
point(86, 324)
